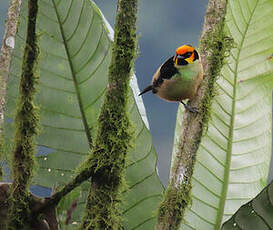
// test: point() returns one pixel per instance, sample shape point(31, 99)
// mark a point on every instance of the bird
point(179, 77)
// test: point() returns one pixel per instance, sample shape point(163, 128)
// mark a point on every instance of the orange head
point(185, 54)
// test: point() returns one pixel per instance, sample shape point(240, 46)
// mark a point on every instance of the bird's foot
point(189, 108)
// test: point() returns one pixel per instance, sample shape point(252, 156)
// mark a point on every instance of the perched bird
point(179, 77)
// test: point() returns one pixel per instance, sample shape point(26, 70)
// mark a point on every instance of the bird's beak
point(189, 60)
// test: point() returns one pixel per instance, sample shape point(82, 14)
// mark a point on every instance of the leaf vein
point(85, 38)
point(78, 23)
point(65, 18)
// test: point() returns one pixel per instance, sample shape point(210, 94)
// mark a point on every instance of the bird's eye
point(187, 55)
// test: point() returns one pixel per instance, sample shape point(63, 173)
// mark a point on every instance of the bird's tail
point(148, 88)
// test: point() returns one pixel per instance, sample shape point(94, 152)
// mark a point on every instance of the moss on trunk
point(114, 132)
point(26, 128)
point(214, 45)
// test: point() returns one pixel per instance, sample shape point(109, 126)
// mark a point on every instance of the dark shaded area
point(256, 214)
point(48, 220)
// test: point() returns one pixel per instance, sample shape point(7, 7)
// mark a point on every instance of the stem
point(5, 58)
point(53, 201)
point(26, 129)
point(214, 45)
point(114, 133)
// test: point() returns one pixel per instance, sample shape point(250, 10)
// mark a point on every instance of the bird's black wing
point(167, 70)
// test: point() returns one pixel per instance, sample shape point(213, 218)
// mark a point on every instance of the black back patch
point(167, 70)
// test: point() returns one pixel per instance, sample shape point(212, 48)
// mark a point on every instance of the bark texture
point(213, 47)
point(5, 57)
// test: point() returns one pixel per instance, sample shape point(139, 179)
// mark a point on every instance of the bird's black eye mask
point(181, 61)
point(181, 58)
point(187, 55)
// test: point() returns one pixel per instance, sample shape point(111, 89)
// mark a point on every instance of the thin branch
point(213, 47)
point(5, 57)
point(53, 201)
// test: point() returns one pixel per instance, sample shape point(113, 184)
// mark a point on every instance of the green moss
point(218, 44)
point(26, 122)
point(108, 158)
point(176, 201)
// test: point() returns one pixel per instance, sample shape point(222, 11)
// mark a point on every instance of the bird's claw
point(189, 108)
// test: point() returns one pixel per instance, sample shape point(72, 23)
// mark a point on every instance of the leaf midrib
point(231, 129)
point(84, 119)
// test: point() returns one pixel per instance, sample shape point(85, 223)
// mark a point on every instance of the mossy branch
point(5, 59)
point(214, 45)
point(26, 128)
point(114, 133)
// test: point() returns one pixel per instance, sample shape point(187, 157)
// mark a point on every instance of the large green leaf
point(256, 214)
point(75, 45)
point(234, 155)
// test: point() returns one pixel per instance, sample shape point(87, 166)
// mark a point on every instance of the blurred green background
point(162, 26)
